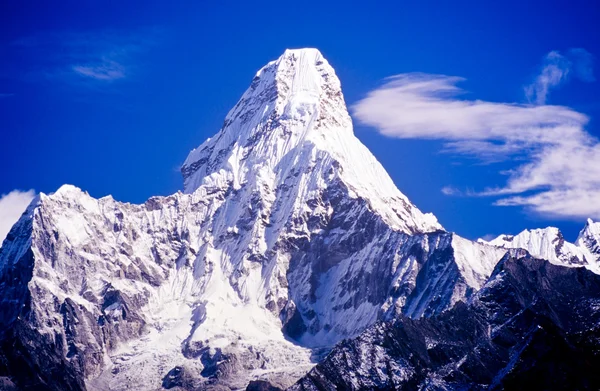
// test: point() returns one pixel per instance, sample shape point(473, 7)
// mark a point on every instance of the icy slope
point(291, 129)
point(289, 238)
point(549, 243)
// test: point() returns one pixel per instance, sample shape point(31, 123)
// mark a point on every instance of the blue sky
point(111, 97)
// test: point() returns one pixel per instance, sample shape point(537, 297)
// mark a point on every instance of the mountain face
point(533, 325)
point(288, 239)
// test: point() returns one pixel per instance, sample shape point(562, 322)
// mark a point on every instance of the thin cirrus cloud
point(105, 70)
point(92, 57)
point(557, 69)
point(557, 162)
point(12, 206)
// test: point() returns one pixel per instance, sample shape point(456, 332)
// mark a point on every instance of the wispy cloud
point(451, 190)
point(98, 57)
point(416, 105)
point(12, 206)
point(556, 161)
point(106, 70)
point(557, 69)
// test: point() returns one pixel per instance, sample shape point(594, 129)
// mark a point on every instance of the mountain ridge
point(289, 237)
point(534, 324)
point(548, 243)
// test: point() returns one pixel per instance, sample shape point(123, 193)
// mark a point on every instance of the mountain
point(589, 239)
point(289, 238)
point(291, 130)
point(549, 243)
point(533, 325)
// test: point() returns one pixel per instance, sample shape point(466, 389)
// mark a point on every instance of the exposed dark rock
point(261, 385)
point(35, 362)
point(177, 377)
point(532, 326)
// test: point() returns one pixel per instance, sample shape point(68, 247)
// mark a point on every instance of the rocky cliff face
point(532, 325)
point(289, 238)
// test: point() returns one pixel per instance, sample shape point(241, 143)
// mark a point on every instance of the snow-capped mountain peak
point(589, 238)
point(292, 127)
point(289, 237)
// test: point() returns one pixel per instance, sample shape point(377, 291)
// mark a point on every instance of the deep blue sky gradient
point(194, 60)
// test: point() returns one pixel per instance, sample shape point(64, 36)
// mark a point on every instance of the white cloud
point(12, 206)
point(556, 70)
point(424, 106)
point(556, 161)
point(451, 190)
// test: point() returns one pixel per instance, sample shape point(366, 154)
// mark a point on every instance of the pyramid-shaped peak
point(590, 227)
point(292, 100)
point(590, 235)
point(291, 129)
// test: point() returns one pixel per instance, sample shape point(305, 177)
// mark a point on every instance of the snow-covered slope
point(290, 236)
point(549, 243)
point(291, 130)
